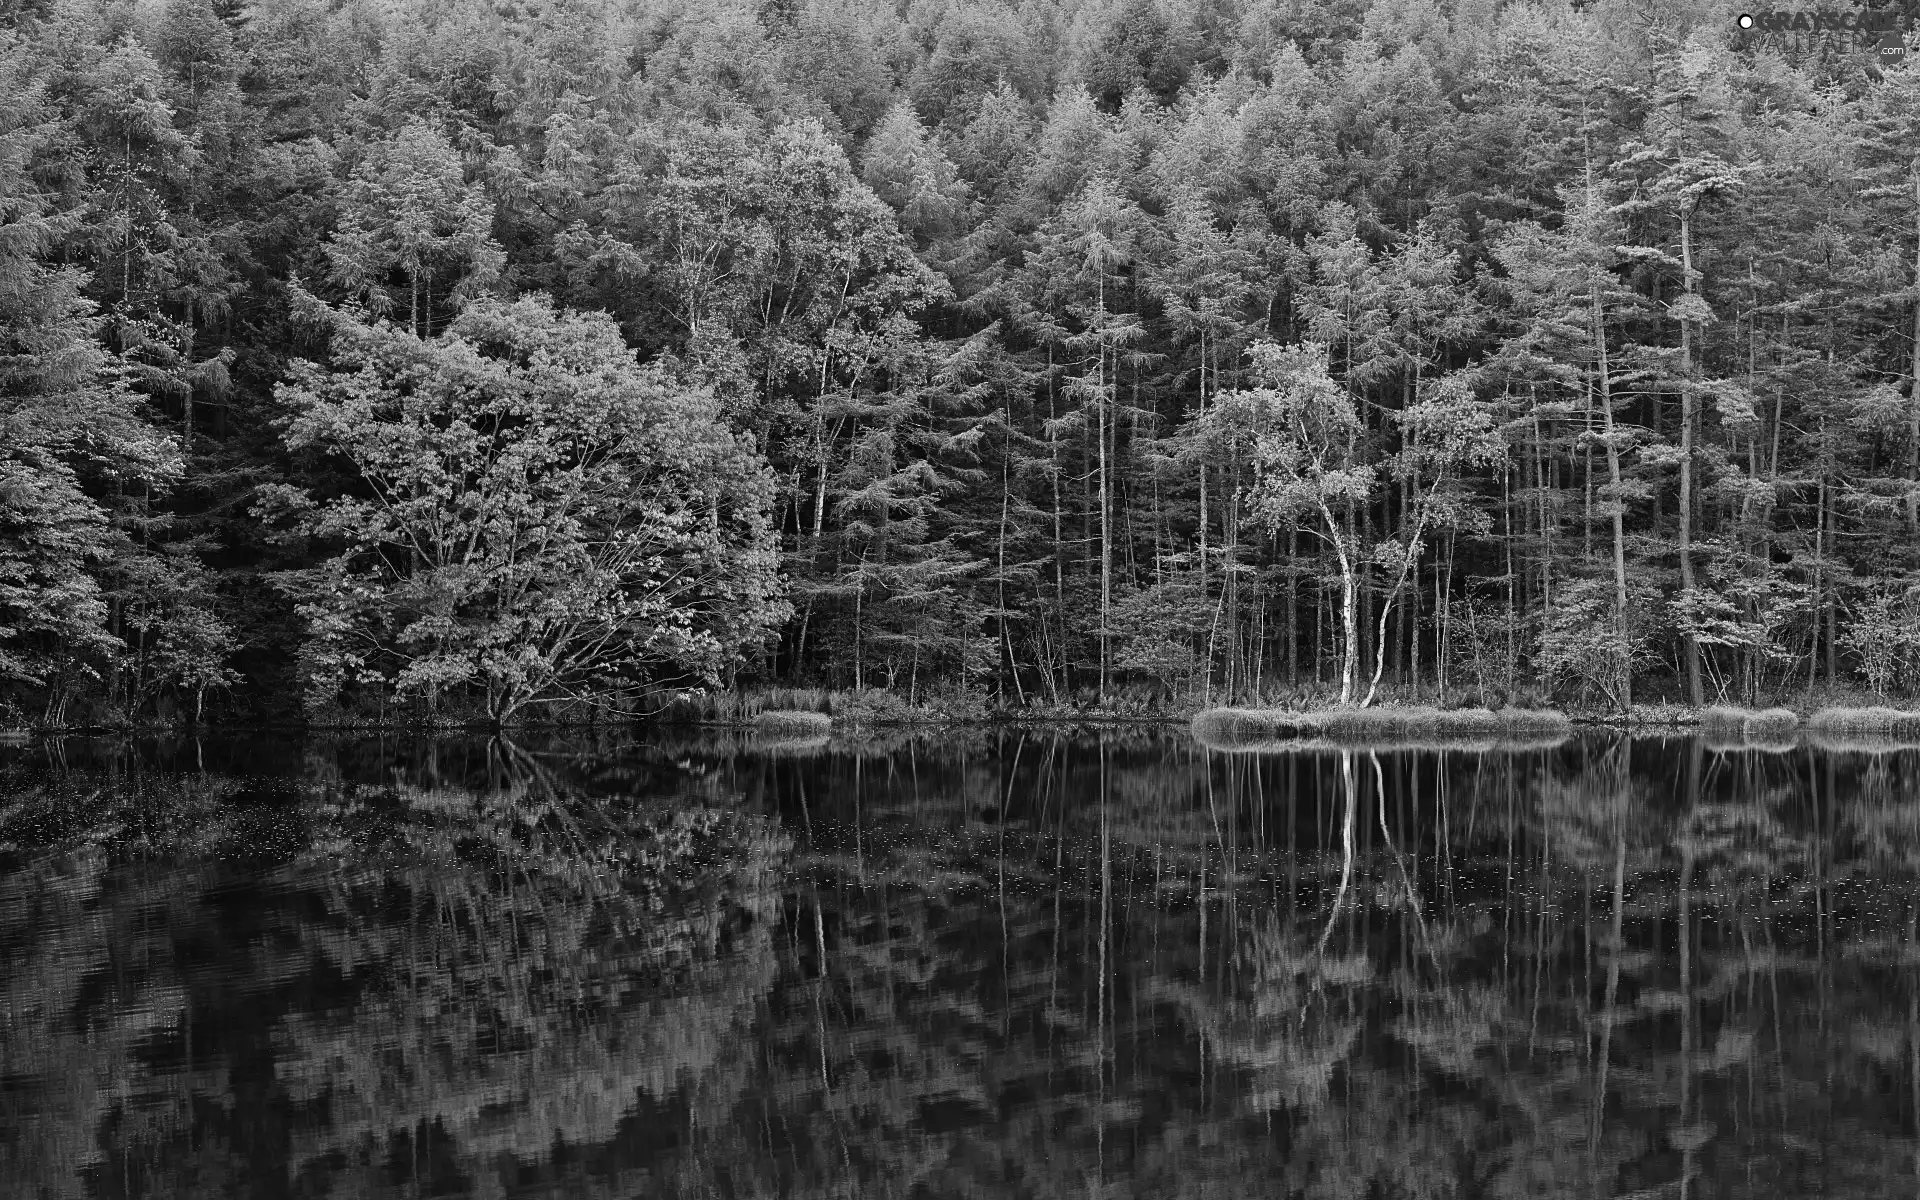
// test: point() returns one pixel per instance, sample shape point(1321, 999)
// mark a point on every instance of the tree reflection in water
point(1025, 964)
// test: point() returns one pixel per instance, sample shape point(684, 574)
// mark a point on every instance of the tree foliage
point(972, 279)
point(532, 515)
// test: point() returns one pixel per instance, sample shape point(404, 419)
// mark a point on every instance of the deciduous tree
point(533, 515)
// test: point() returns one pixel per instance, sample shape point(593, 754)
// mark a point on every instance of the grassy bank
point(1726, 721)
point(878, 707)
point(1868, 730)
point(1888, 722)
point(1769, 730)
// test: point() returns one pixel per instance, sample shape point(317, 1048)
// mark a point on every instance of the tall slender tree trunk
point(820, 487)
point(1203, 466)
point(1691, 649)
point(1387, 602)
point(1616, 502)
point(186, 423)
point(1363, 595)
point(1833, 603)
point(1059, 537)
point(1106, 508)
point(1442, 617)
point(1513, 576)
point(1319, 631)
point(1544, 483)
point(1006, 635)
point(1230, 584)
point(1819, 563)
point(859, 661)
point(1913, 401)
point(1292, 632)
point(1349, 609)
point(820, 441)
point(1586, 476)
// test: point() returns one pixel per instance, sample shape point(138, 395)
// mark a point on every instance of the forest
point(378, 359)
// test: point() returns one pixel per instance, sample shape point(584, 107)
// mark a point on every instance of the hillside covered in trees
point(473, 356)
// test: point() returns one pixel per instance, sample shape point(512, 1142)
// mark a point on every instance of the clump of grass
point(1748, 725)
point(1875, 729)
point(1369, 724)
point(733, 708)
point(1543, 722)
point(1232, 725)
point(1876, 719)
point(1422, 722)
point(792, 723)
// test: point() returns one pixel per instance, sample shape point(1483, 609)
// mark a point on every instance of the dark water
point(963, 965)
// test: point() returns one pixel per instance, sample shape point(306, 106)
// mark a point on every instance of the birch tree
point(1309, 466)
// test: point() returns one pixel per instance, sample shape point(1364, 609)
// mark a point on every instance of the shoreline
point(1661, 717)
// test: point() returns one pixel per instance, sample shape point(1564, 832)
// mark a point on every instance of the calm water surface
point(971, 964)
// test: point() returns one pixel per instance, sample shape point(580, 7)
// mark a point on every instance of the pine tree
point(75, 440)
point(414, 231)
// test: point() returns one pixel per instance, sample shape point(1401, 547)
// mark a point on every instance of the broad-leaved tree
point(533, 515)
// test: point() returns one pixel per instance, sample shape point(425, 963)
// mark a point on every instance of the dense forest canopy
point(1054, 350)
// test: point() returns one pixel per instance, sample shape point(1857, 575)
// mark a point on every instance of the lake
point(971, 963)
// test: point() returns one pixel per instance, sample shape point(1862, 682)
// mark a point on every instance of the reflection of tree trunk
point(1059, 885)
point(1000, 886)
point(1913, 1051)
point(1346, 846)
point(1613, 964)
point(518, 766)
point(1106, 902)
point(1688, 850)
point(1413, 894)
point(1686, 1015)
